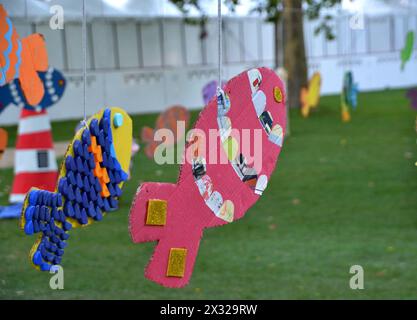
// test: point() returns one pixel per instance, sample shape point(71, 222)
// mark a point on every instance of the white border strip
point(34, 124)
point(27, 161)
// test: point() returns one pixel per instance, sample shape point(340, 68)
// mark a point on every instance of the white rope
point(84, 44)
point(220, 32)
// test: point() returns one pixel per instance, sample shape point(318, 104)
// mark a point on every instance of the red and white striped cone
point(34, 162)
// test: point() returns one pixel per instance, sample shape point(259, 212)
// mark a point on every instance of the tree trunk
point(278, 44)
point(295, 61)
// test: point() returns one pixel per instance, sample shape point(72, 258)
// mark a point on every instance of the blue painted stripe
point(19, 57)
point(6, 53)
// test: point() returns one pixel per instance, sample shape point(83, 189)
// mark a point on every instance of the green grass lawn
point(342, 194)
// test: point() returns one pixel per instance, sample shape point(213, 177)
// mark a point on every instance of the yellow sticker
point(278, 94)
point(176, 262)
point(156, 213)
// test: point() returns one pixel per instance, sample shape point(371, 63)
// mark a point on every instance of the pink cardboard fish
point(221, 177)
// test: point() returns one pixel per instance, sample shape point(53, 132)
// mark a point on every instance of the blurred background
point(343, 193)
point(145, 56)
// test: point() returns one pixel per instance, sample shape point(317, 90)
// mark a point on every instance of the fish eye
point(61, 82)
point(118, 120)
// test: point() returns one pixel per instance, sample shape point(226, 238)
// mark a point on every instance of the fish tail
point(144, 225)
point(34, 59)
point(174, 256)
point(42, 213)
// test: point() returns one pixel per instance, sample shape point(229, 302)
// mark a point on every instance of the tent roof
point(40, 9)
point(379, 7)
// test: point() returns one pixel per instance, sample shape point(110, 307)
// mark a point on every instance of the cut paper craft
point(21, 59)
point(167, 120)
point(209, 91)
point(34, 162)
point(54, 87)
point(349, 96)
point(211, 194)
point(3, 141)
point(89, 185)
point(407, 51)
point(310, 96)
point(412, 95)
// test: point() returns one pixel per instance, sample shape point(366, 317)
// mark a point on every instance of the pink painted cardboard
point(187, 212)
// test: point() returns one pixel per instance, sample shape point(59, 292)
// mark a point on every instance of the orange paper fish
point(3, 141)
point(21, 59)
point(166, 120)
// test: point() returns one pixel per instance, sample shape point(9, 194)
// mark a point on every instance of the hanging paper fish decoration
point(168, 119)
point(209, 91)
point(3, 141)
point(412, 95)
point(211, 194)
point(89, 185)
point(349, 96)
point(350, 89)
point(54, 86)
point(310, 96)
point(407, 51)
point(21, 59)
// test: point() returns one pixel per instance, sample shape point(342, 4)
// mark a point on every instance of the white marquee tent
point(143, 56)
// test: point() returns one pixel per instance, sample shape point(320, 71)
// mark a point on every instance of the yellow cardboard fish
point(310, 96)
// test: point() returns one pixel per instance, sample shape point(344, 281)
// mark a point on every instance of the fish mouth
point(121, 130)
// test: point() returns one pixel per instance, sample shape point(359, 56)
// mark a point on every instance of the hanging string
point(220, 32)
point(84, 44)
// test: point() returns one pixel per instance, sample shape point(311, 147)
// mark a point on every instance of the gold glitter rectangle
point(176, 262)
point(156, 213)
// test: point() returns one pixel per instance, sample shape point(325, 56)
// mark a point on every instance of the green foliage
point(273, 10)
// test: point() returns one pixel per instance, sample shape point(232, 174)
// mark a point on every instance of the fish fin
point(147, 134)
point(37, 49)
point(34, 58)
point(3, 140)
point(139, 230)
point(5, 97)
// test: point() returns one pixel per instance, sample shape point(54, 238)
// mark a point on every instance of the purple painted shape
point(209, 91)
point(412, 95)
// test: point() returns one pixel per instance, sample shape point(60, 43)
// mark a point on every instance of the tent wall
point(148, 65)
point(372, 53)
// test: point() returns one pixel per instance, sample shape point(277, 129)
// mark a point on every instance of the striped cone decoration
point(34, 162)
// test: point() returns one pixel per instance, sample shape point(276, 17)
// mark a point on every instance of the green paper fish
point(408, 49)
